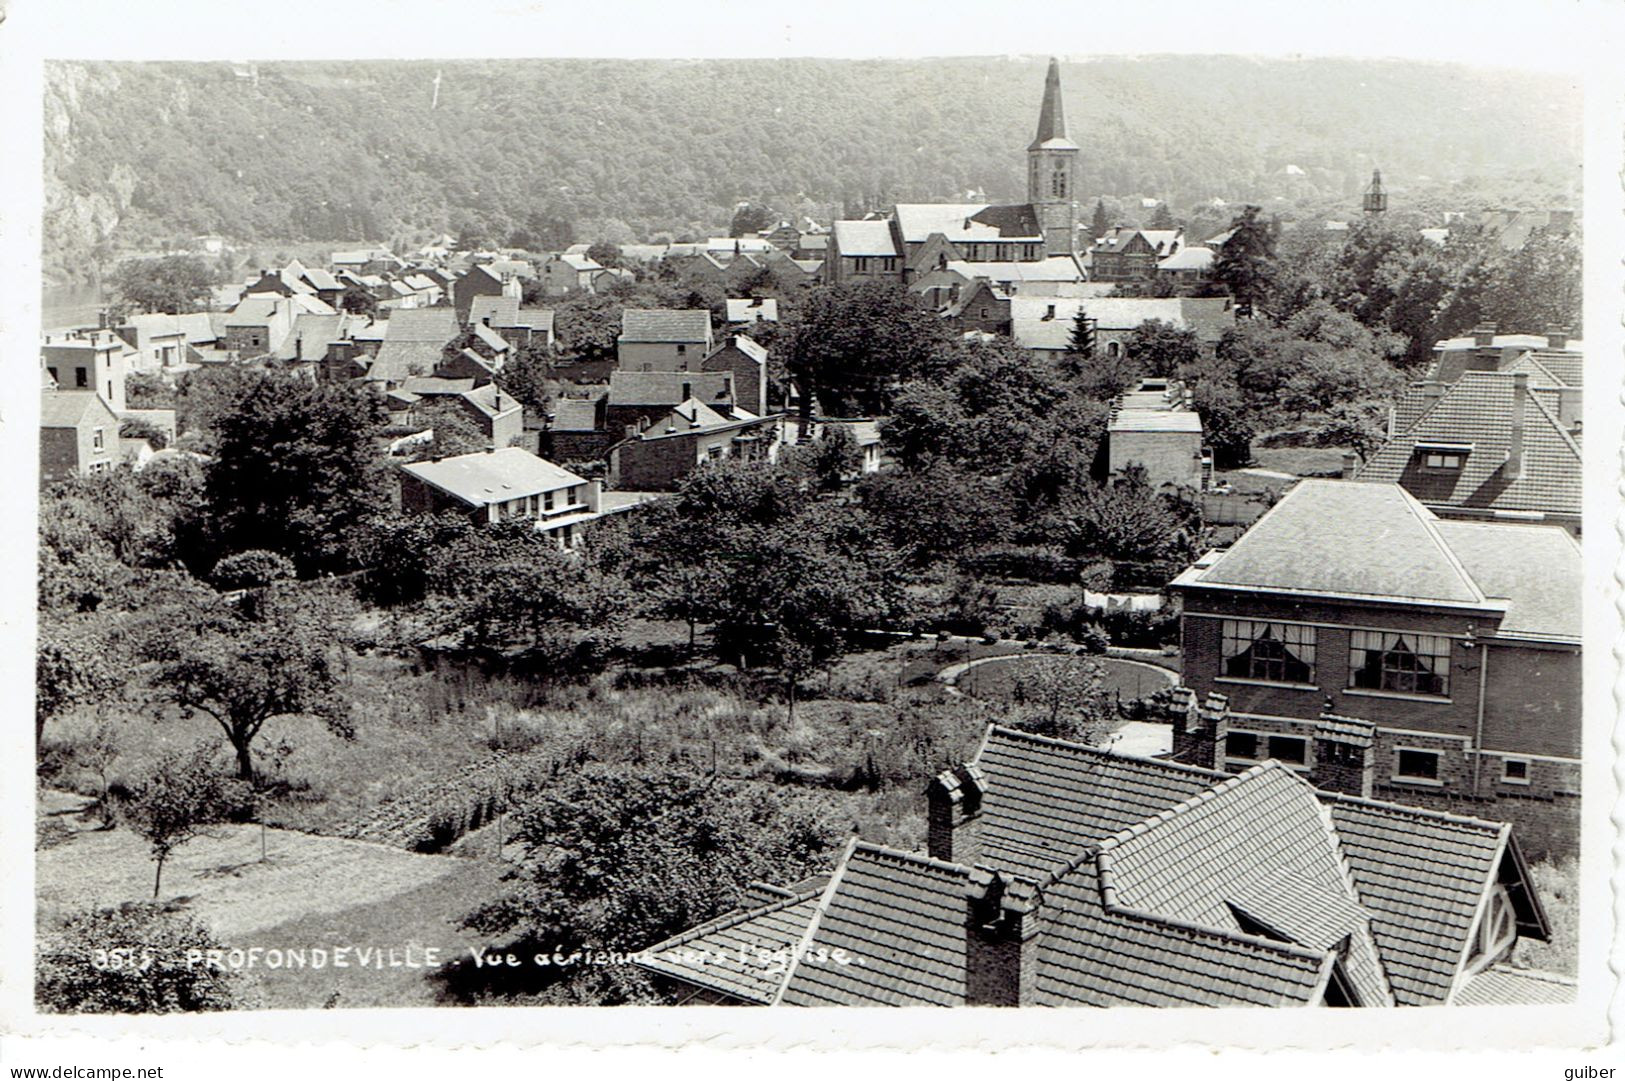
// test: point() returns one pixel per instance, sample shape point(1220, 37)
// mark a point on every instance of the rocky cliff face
point(83, 204)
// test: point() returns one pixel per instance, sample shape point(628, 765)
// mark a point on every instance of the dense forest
point(138, 155)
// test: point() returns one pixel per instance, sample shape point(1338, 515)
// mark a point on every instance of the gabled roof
point(666, 388)
point(965, 222)
point(438, 325)
point(579, 262)
point(864, 238)
point(1478, 409)
point(574, 415)
point(665, 325)
point(731, 947)
point(490, 337)
point(487, 477)
point(1345, 539)
point(1153, 884)
point(1194, 258)
point(1054, 268)
point(1036, 327)
point(70, 408)
point(499, 311)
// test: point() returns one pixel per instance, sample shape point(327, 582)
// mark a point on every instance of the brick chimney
point(1520, 401)
point(1193, 740)
point(1484, 334)
point(1001, 939)
point(1351, 464)
point(954, 814)
point(1557, 336)
point(1345, 755)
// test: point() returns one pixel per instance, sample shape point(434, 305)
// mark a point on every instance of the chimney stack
point(1569, 408)
point(1520, 400)
point(1001, 939)
point(1351, 464)
point(1557, 336)
point(1484, 334)
point(954, 814)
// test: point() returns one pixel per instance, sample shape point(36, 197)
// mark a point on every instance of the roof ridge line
point(1207, 795)
point(1240, 938)
point(1096, 752)
point(909, 857)
point(1403, 810)
point(805, 941)
point(1324, 813)
point(1429, 522)
point(1557, 425)
point(738, 916)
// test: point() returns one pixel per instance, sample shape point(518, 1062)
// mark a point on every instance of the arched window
point(1114, 349)
point(1058, 183)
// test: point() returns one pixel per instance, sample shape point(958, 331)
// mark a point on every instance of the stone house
point(78, 434)
point(503, 485)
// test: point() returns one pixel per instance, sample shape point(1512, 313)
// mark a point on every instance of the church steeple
point(1376, 198)
point(1051, 116)
point(1052, 167)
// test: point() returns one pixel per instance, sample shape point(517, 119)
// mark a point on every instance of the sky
point(1541, 35)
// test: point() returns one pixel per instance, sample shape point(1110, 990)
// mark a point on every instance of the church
point(939, 248)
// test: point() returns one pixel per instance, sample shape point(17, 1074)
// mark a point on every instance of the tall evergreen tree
point(1081, 343)
point(1246, 263)
point(1099, 224)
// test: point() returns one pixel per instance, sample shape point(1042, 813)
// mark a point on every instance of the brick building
point(78, 434)
point(1378, 649)
point(1063, 875)
point(656, 456)
point(663, 340)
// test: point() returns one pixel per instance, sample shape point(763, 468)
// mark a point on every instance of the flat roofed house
point(1351, 607)
point(1155, 429)
point(1063, 875)
point(503, 485)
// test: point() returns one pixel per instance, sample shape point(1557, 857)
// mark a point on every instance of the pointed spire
point(1051, 118)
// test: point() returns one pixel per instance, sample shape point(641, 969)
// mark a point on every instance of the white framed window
point(1401, 663)
point(1416, 764)
point(861, 264)
point(1515, 770)
point(547, 501)
point(1272, 652)
point(1497, 930)
point(1443, 461)
point(713, 452)
point(98, 440)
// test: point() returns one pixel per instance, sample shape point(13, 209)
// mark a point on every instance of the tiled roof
point(666, 388)
point(1054, 268)
point(400, 360)
point(500, 311)
point(574, 415)
point(964, 222)
point(1421, 875)
point(900, 919)
point(1094, 955)
point(1122, 236)
point(534, 318)
point(1504, 985)
point(1478, 409)
point(67, 408)
point(490, 400)
point(1259, 843)
point(1145, 875)
point(1033, 325)
point(1192, 258)
point(1047, 799)
point(1346, 538)
point(1503, 559)
point(1566, 364)
point(864, 238)
point(490, 337)
point(665, 325)
point(438, 325)
point(740, 953)
point(486, 477)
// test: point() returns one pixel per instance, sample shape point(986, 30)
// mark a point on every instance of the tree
point(517, 594)
point(926, 423)
point(831, 458)
point(856, 341)
point(182, 796)
point(604, 253)
point(1122, 519)
point(528, 375)
point(1065, 697)
point(638, 855)
point(1080, 344)
point(170, 283)
point(159, 979)
point(454, 432)
point(1246, 263)
point(750, 218)
point(1225, 421)
point(1160, 348)
point(588, 325)
point(253, 569)
point(74, 666)
point(1099, 225)
point(358, 301)
point(246, 672)
point(296, 470)
point(1163, 218)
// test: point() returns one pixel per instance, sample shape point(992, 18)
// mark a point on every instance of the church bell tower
point(1376, 197)
point(1052, 171)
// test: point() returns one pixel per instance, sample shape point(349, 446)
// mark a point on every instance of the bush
point(251, 569)
point(69, 978)
point(1033, 563)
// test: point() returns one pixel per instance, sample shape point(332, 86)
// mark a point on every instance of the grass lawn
point(310, 892)
point(997, 680)
point(1301, 461)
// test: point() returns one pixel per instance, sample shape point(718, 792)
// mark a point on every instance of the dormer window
point(1445, 457)
point(1444, 461)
